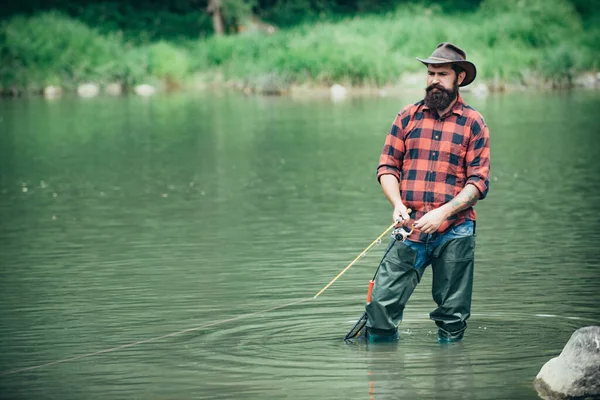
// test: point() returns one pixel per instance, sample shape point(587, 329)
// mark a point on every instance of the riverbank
point(525, 45)
point(336, 92)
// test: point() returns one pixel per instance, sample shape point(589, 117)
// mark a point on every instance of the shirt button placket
point(434, 156)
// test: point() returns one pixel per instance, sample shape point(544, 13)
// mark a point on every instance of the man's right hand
point(391, 189)
point(400, 215)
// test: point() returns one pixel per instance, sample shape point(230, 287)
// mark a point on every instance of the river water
point(194, 230)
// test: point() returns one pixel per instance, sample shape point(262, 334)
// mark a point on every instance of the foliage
point(236, 11)
point(376, 49)
point(535, 22)
point(151, 20)
point(51, 48)
point(507, 40)
point(167, 61)
point(136, 20)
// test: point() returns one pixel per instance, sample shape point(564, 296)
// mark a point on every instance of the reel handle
point(401, 231)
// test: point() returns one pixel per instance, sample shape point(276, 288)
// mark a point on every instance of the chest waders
point(396, 278)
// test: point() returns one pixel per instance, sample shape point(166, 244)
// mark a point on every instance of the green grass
point(509, 40)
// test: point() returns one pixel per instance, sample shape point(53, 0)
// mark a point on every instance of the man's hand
point(400, 215)
point(430, 222)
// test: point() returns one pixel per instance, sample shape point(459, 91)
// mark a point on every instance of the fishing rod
point(401, 232)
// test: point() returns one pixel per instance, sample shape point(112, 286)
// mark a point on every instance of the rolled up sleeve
point(390, 161)
point(478, 158)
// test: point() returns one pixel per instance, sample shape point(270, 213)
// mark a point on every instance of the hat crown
point(450, 52)
point(447, 53)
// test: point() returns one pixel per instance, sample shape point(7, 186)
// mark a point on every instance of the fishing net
point(358, 331)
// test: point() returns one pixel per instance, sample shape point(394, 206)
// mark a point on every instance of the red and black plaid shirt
point(434, 158)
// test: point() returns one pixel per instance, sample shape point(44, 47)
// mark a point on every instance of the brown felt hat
point(447, 53)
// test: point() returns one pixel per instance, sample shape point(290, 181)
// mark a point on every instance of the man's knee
point(395, 281)
point(452, 285)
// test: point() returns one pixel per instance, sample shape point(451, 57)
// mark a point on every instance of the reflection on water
point(128, 219)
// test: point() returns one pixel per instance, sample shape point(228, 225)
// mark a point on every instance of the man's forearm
point(391, 189)
point(465, 199)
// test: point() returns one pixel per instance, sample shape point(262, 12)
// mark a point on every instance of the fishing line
point(124, 346)
point(197, 328)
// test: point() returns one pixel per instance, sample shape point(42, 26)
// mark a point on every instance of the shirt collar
point(456, 109)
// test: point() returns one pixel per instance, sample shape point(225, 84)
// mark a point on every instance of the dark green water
point(128, 219)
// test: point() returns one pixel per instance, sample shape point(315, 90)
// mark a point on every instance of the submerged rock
point(575, 373)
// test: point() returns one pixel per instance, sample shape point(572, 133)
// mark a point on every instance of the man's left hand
point(430, 222)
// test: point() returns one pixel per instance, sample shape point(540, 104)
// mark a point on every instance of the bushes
point(166, 61)
point(537, 23)
point(506, 40)
point(53, 49)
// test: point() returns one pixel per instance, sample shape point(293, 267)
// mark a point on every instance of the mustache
point(436, 86)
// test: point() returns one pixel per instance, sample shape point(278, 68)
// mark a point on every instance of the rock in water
point(575, 373)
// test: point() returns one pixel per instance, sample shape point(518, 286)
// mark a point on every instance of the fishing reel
point(401, 233)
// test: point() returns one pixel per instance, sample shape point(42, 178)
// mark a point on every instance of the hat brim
point(467, 66)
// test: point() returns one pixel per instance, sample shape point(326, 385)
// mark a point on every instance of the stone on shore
point(575, 373)
point(144, 90)
point(51, 92)
point(88, 90)
point(267, 84)
point(588, 80)
point(114, 89)
point(338, 92)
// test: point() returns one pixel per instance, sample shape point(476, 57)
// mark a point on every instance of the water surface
point(128, 219)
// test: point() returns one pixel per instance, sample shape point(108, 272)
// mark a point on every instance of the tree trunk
point(214, 8)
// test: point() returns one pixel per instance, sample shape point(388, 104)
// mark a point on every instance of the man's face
point(442, 86)
point(442, 75)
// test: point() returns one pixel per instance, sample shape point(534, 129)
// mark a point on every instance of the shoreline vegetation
point(515, 44)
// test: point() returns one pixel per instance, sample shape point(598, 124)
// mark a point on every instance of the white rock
point(575, 373)
point(88, 90)
point(586, 80)
point(338, 92)
point(114, 89)
point(52, 91)
point(144, 90)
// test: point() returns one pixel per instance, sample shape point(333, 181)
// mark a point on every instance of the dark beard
point(440, 100)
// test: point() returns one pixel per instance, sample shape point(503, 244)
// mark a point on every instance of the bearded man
point(433, 168)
